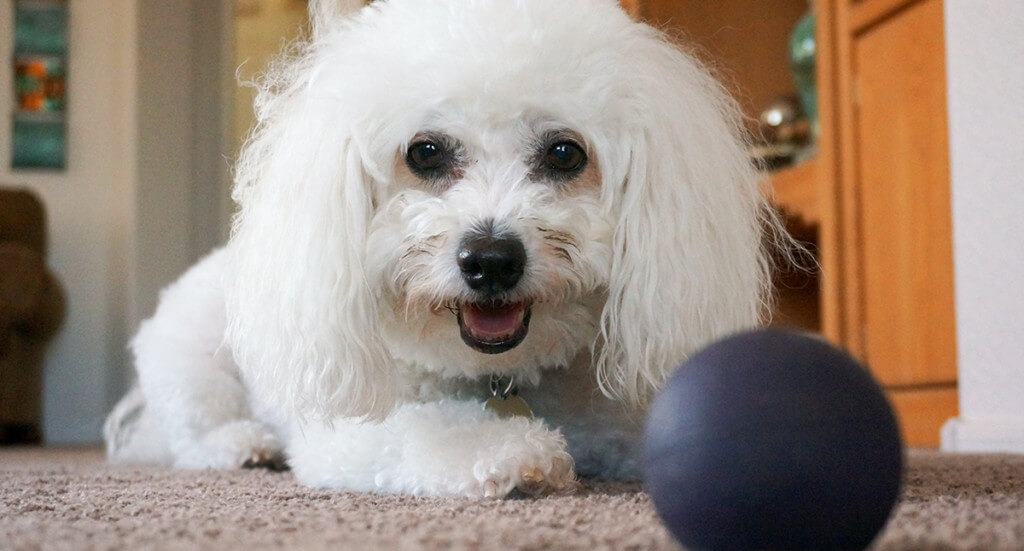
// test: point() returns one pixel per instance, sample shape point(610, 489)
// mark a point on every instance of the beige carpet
point(70, 499)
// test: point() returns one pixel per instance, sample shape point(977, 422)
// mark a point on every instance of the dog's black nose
point(491, 264)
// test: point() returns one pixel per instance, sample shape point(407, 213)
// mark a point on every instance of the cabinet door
point(905, 229)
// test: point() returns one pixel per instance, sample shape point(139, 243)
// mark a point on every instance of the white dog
point(539, 204)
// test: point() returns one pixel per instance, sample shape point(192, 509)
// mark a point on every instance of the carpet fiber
point(70, 499)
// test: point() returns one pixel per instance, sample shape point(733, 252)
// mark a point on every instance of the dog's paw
point(239, 444)
point(534, 465)
point(532, 480)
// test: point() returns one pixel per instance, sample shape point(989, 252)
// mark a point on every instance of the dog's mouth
point(493, 328)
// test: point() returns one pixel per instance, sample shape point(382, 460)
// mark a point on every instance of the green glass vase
point(801, 62)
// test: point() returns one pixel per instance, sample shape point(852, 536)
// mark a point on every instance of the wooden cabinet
point(902, 181)
point(875, 200)
point(891, 170)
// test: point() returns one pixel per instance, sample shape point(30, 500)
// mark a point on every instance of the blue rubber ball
point(772, 440)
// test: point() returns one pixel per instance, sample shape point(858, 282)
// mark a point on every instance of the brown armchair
point(31, 311)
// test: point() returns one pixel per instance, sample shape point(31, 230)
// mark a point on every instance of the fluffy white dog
point(539, 204)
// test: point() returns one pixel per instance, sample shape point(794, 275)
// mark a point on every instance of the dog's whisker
point(561, 252)
point(558, 236)
point(412, 252)
point(565, 240)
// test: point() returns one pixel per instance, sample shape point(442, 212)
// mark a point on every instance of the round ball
point(772, 440)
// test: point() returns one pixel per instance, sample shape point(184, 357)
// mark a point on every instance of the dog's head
point(476, 187)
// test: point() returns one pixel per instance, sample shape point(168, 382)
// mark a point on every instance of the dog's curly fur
point(338, 329)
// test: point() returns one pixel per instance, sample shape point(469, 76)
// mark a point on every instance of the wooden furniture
point(874, 202)
point(31, 311)
point(891, 162)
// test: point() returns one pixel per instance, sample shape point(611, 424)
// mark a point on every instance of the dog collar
point(505, 400)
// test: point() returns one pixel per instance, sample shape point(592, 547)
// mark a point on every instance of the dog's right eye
point(426, 159)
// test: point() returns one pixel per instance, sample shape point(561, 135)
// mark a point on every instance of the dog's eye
point(426, 158)
point(565, 157)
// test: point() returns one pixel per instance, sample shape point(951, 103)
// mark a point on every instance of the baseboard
point(961, 435)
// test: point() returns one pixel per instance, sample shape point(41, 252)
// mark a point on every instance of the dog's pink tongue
point(489, 323)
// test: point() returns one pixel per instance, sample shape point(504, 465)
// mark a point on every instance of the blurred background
point(888, 131)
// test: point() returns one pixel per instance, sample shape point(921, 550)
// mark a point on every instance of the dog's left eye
point(426, 158)
point(566, 157)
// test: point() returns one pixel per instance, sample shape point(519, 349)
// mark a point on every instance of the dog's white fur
point(322, 330)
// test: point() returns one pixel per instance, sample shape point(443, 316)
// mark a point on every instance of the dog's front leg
point(437, 448)
point(190, 407)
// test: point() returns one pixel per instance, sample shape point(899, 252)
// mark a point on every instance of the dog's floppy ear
point(689, 260)
point(302, 320)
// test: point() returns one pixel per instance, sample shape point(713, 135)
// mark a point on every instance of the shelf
point(793, 190)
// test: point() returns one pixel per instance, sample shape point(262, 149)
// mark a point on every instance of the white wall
point(985, 46)
point(183, 88)
point(144, 187)
point(90, 210)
